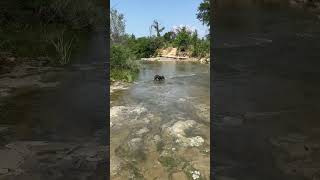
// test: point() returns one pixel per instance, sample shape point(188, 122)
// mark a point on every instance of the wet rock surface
point(51, 160)
point(265, 101)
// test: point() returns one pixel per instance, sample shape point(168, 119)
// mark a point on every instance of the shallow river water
point(266, 91)
point(160, 130)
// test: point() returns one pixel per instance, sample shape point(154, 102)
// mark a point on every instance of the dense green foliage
point(182, 39)
point(200, 48)
point(169, 36)
point(123, 63)
point(204, 12)
point(145, 47)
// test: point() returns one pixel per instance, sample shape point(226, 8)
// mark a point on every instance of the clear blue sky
point(139, 14)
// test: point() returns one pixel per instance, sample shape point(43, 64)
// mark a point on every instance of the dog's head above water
point(158, 78)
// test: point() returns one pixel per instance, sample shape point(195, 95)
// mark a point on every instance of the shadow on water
point(264, 91)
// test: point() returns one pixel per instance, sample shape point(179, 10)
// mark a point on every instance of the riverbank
point(178, 59)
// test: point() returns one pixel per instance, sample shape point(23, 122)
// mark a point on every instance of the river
point(160, 130)
point(53, 122)
point(265, 91)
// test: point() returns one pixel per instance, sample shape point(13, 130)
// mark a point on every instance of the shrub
point(120, 56)
point(169, 36)
point(201, 48)
point(146, 47)
point(123, 64)
point(183, 39)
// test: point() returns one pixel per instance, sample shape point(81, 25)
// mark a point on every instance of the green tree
point(204, 12)
point(169, 36)
point(117, 26)
point(183, 38)
point(147, 46)
point(194, 38)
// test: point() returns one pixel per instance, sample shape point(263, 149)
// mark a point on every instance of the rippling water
point(264, 89)
point(161, 129)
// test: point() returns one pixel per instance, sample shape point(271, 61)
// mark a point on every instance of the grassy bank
point(45, 29)
point(123, 64)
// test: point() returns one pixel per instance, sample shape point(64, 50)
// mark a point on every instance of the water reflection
point(265, 105)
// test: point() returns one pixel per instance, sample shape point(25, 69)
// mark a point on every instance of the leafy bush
point(182, 39)
point(201, 48)
point(169, 36)
point(145, 47)
point(120, 56)
point(123, 64)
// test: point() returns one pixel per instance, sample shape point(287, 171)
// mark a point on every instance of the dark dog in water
point(159, 78)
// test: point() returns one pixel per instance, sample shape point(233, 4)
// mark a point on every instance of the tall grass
point(63, 48)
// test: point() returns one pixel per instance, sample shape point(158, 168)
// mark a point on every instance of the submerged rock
point(118, 86)
point(232, 121)
point(142, 131)
point(190, 142)
point(178, 130)
point(156, 138)
point(116, 111)
point(138, 110)
point(135, 144)
point(203, 111)
point(125, 111)
point(196, 141)
point(115, 166)
point(179, 176)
